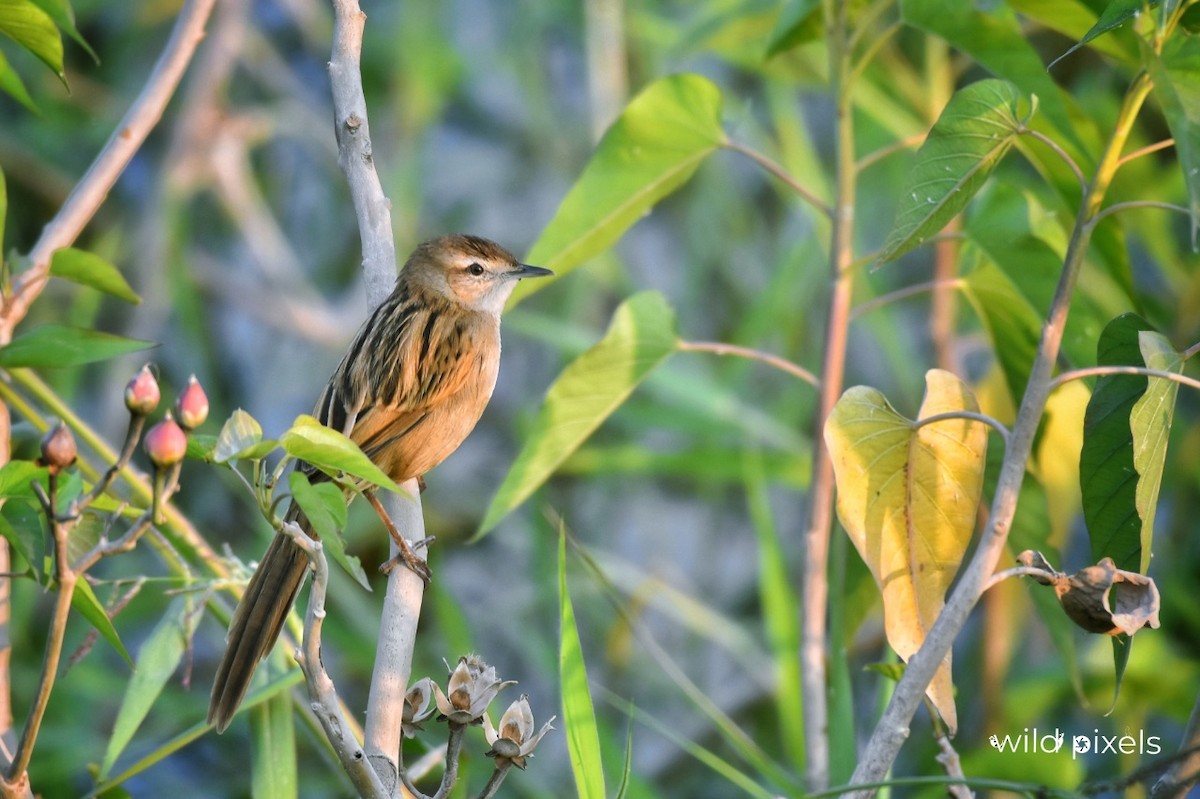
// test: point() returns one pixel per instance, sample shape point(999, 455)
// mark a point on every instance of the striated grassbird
point(409, 390)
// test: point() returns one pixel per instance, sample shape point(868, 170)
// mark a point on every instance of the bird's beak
point(525, 270)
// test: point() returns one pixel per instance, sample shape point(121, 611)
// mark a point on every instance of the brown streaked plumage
point(411, 387)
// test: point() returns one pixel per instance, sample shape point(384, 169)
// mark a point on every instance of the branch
point(88, 195)
point(321, 690)
point(1060, 152)
point(907, 291)
point(892, 729)
point(784, 365)
point(972, 415)
point(1092, 371)
point(1117, 207)
point(405, 590)
point(783, 175)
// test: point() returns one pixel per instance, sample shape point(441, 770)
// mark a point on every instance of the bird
point(410, 388)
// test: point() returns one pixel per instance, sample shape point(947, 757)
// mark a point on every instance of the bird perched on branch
point(412, 386)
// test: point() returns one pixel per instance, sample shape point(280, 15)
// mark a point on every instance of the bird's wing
point(385, 387)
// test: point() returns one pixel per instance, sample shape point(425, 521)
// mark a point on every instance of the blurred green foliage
point(687, 505)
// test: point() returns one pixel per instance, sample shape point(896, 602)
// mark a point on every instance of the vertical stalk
point(841, 256)
point(892, 729)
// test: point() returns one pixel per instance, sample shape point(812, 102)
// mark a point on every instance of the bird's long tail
point(258, 620)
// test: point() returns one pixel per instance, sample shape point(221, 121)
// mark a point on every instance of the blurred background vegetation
point(235, 227)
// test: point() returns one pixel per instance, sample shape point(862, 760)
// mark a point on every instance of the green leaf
point(157, 660)
point(594, 385)
point(975, 130)
point(651, 150)
point(331, 452)
point(33, 29)
point(12, 85)
point(17, 478)
point(993, 36)
point(800, 22)
point(579, 716)
point(1115, 14)
point(781, 622)
point(200, 446)
point(1072, 18)
point(1177, 86)
point(1150, 421)
point(85, 602)
point(325, 506)
point(1011, 322)
point(241, 437)
point(62, 346)
point(89, 269)
point(273, 770)
point(1107, 477)
point(60, 11)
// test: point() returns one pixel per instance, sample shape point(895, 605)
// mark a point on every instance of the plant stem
point(719, 348)
point(780, 173)
point(892, 729)
point(1100, 371)
point(815, 587)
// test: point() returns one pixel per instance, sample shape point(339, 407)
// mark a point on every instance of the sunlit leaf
point(330, 451)
point(64, 17)
point(84, 601)
point(325, 506)
point(89, 269)
point(61, 346)
point(974, 131)
point(652, 149)
point(32, 28)
point(1055, 460)
point(241, 437)
point(992, 35)
point(1114, 15)
point(1107, 477)
point(909, 500)
point(587, 392)
point(1150, 421)
point(157, 659)
point(1177, 87)
point(579, 716)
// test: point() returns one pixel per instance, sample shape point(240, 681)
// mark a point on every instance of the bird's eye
point(476, 269)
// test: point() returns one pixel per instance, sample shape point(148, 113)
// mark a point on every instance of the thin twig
point(1060, 152)
point(1016, 571)
point(907, 291)
point(781, 173)
point(89, 193)
point(782, 364)
point(1149, 148)
point(66, 579)
point(970, 415)
point(1125, 206)
point(906, 143)
point(1192, 350)
point(321, 690)
point(1101, 371)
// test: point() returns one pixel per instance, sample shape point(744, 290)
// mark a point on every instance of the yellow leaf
point(909, 497)
point(1055, 462)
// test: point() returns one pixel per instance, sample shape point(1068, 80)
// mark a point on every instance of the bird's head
point(472, 271)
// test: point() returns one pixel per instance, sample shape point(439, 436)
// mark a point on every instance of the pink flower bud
point(192, 405)
point(141, 395)
point(58, 448)
point(166, 443)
